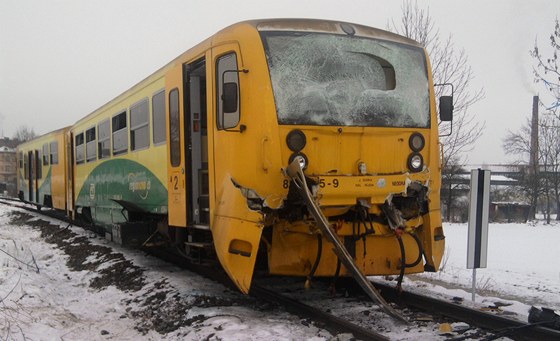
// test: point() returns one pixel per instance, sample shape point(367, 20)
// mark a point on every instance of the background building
point(8, 167)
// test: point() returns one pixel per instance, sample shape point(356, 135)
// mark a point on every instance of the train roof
point(328, 26)
point(43, 136)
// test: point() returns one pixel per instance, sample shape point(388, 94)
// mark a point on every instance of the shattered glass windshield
point(325, 79)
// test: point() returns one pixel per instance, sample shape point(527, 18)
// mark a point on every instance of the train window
point(54, 153)
point(20, 159)
point(25, 167)
point(46, 154)
point(80, 148)
point(140, 125)
point(91, 146)
point(158, 117)
point(228, 87)
point(104, 139)
point(174, 131)
point(120, 136)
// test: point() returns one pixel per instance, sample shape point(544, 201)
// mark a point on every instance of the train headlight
point(415, 162)
point(296, 140)
point(416, 142)
point(302, 159)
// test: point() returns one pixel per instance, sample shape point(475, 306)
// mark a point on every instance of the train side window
point(140, 125)
point(25, 167)
point(158, 117)
point(54, 153)
point(79, 148)
point(46, 154)
point(120, 136)
point(91, 145)
point(228, 91)
point(174, 131)
point(20, 159)
point(104, 139)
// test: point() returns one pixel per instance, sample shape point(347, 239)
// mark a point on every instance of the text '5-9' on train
point(305, 144)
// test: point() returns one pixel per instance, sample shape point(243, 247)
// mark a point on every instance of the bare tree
point(449, 65)
point(519, 143)
point(24, 133)
point(549, 130)
point(546, 71)
point(542, 182)
point(451, 188)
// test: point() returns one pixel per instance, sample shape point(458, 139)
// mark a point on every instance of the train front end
point(340, 121)
point(356, 110)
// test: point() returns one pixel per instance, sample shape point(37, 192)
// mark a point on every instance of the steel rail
point(499, 325)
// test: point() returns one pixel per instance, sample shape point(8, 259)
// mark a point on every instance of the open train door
point(236, 229)
point(69, 159)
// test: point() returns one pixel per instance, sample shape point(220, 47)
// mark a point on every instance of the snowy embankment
point(59, 283)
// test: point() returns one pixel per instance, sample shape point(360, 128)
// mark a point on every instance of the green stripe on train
point(121, 180)
point(46, 187)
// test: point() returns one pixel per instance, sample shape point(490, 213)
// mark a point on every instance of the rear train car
point(42, 170)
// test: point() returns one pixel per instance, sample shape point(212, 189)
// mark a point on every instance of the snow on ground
point(523, 267)
point(48, 295)
point(43, 299)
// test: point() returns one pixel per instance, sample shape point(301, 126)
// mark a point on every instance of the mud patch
point(112, 268)
point(154, 306)
point(165, 310)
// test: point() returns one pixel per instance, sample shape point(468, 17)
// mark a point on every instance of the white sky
point(62, 59)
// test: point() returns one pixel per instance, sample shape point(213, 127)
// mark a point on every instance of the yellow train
point(304, 142)
point(42, 170)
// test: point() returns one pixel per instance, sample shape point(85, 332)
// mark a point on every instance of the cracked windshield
point(335, 80)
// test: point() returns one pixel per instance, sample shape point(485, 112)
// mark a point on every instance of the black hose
point(316, 264)
point(420, 251)
point(336, 275)
point(403, 262)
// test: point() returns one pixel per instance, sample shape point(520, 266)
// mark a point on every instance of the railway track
point(498, 326)
point(333, 324)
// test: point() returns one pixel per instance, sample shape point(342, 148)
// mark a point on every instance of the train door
point(188, 146)
point(38, 174)
point(176, 163)
point(69, 158)
point(196, 138)
point(31, 173)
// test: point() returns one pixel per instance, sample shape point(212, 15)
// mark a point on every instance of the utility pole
point(534, 157)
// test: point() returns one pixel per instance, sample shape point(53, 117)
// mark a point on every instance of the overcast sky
point(62, 59)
